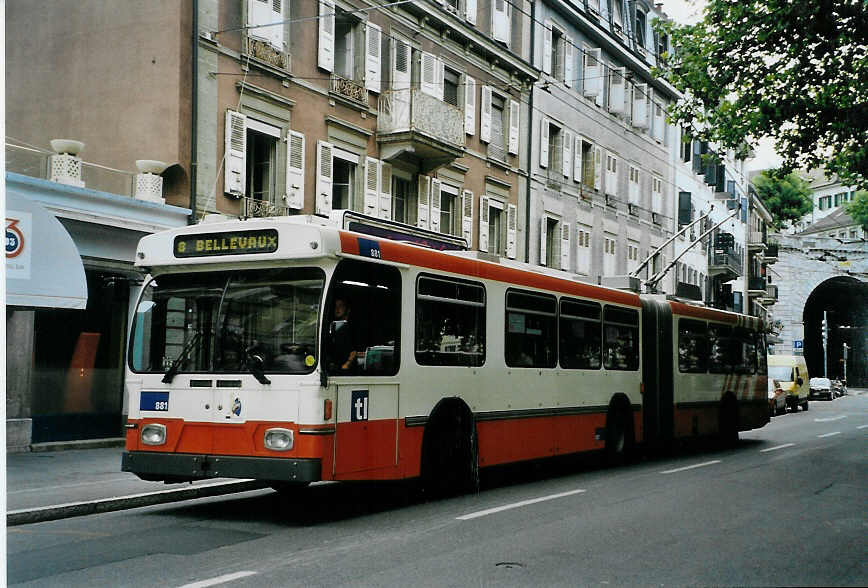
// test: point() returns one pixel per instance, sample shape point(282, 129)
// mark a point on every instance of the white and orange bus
point(447, 360)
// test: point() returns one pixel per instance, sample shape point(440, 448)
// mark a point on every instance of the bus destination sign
point(227, 243)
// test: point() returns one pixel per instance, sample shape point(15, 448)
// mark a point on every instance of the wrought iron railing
point(726, 258)
point(348, 89)
point(255, 208)
point(757, 284)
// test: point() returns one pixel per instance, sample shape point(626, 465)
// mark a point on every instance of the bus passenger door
point(367, 429)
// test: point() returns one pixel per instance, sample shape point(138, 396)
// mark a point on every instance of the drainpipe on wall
point(529, 137)
point(194, 114)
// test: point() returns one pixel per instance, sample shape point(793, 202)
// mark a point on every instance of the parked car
point(839, 387)
point(777, 398)
point(821, 388)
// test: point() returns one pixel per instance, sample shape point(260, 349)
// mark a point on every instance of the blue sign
point(798, 344)
point(157, 401)
point(369, 248)
point(359, 405)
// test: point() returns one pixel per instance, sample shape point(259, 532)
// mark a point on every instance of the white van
point(791, 373)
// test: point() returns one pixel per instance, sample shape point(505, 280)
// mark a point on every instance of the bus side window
point(692, 346)
point(450, 321)
point(580, 334)
point(620, 338)
point(531, 330)
point(719, 356)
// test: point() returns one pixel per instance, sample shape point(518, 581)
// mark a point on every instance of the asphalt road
point(787, 506)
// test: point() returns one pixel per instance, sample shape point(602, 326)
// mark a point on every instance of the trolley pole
point(825, 344)
point(846, 350)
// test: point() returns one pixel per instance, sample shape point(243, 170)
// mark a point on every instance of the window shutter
point(236, 149)
point(262, 12)
point(422, 216)
point(567, 153)
point(483, 223)
point(469, 105)
point(500, 21)
point(435, 205)
point(577, 160)
point(372, 186)
point(634, 186)
point(467, 218)
point(593, 72)
point(565, 246)
point(400, 64)
point(510, 230)
point(295, 170)
point(543, 234)
point(544, 143)
point(547, 47)
point(323, 178)
point(611, 174)
point(485, 118)
point(640, 106)
point(470, 11)
point(513, 126)
point(429, 77)
point(373, 43)
point(659, 121)
point(326, 48)
point(569, 59)
point(385, 191)
point(617, 83)
point(598, 167)
point(276, 32)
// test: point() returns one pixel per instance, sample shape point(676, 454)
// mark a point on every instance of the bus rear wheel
point(728, 423)
point(450, 456)
point(619, 436)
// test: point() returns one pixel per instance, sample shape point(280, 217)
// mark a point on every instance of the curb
point(73, 445)
point(78, 509)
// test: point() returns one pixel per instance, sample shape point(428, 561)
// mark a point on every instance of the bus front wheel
point(450, 453)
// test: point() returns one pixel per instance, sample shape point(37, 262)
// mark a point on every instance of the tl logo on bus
point(359, 405)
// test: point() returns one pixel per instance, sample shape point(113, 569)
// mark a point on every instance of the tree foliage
point(795, 71)
point(858, 208)
point(788, 199)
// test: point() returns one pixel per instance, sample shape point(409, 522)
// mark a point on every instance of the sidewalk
point(48, 485)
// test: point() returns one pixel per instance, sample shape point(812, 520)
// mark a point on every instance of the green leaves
point(787, 196)
point(858, 208)
point(794, 71)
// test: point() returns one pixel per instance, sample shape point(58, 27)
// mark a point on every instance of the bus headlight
point(278, 439)
point(154, 434)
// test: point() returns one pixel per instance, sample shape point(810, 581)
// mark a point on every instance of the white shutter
point(422, 215)
point(640, 106)
point(598, 167)
point(513, 126)
point(577, 160)
point(295, 170)
point(634, 186)
point(372, 186)
point(544, 143)
point(385, 191)
point(373, 44)
point(429, 66)
point(326, 48)
point(592, 76)
point(617, 83)
point(469, 105)
point(500, 20)
point(611, 174)
point(470, 11)
point(467, 218)
point(659, 120)
point(483, 223)
point(567, 153)
point(262, 12)
point(485, 118)
point(547, 48)
point(236, 149)
point(510, 230)
point(569, 59)
point(400, 64)
point(276, 31)
point(323, 178)
point(435, 204)
point(565, 246)
point(543, 233)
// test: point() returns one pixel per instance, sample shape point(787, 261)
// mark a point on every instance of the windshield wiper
point(255, 365)
point(176, 365)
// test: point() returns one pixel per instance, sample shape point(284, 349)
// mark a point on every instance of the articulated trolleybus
point(296, 349)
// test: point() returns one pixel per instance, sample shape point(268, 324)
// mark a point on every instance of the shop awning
point(43, 266)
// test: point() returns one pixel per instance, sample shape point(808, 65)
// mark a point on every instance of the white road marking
point(219, 580)
point(97, 483)
point(830, 419)
point(482, 513)
point(829, 434)
point(775, 448)
point(862, 426)
point(694, 466)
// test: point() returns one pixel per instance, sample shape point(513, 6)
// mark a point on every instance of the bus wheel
point(450, 456)
point(728, 422)
point(619, 436)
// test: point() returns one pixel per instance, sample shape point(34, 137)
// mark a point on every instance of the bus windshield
point(228, 322)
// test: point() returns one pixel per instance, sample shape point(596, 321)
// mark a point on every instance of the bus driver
point(342, 339)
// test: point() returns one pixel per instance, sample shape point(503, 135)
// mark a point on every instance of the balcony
point(771, 254)
point(349, 89)
point(725, 262)
point(771, 295)
point(420, 128)
point(254, 208)
point(756, 286)
point(756, 240)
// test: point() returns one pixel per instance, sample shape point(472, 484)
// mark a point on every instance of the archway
point(844, 302)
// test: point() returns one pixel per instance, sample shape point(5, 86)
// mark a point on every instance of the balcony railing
point(756, 239)
point(412, 110)
point(254, 208)
point(725, 261)
point(349, 89)
point(34, 162)
point(771, 295)
point(757, 285)
point(771, 255)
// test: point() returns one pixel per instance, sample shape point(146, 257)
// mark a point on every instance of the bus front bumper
point(183, 467)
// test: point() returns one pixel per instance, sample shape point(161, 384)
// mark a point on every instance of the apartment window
point(402, 195)
point(264, 12)
point(261, 156)
point(632, 251)
point(449, 210)
point(450, 322)
point(496, 228)
point(556, 146)
point(686, 147)
point(552, 242)
point(451, 80)
point(348, 45)
point(557, 53)
point(640, 29)
point(588, 165)
point(531, 330)
point(500, 21)
point(497, 147)
point(618, 16)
